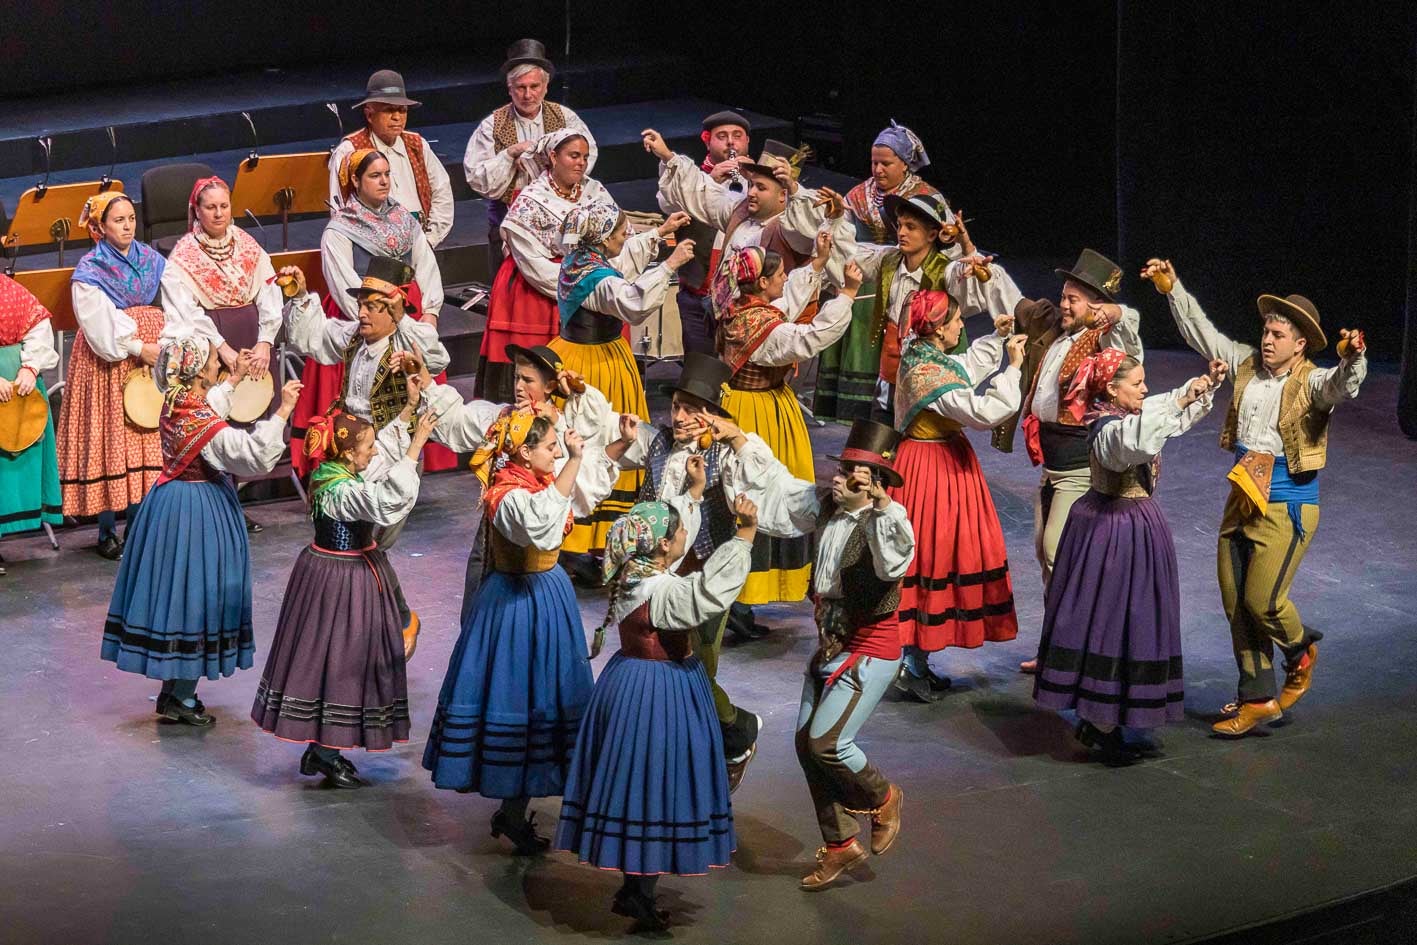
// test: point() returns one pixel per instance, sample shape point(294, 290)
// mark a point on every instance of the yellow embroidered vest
point(1303, 426)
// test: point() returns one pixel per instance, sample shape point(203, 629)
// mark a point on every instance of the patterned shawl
point(748, 324)
point(389, 231)
point(926, 374)
point(19, 312)
point(326, 477)
point(225, 284)
point(584, 268)
point(540, 211)
point(867, 202)
point(127, 280)
point(509, 479)
point(188, 423)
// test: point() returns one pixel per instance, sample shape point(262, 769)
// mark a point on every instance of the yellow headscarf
point(506, 433)
point(95, 207)
point(347, 167)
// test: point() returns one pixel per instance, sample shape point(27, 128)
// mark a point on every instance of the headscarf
point(585, 265)
point(589, 224)
point(550, 141)
point(503, 437)
point(905, 143)
point(179, 361)
point(20, 311)
point(632, 541)
point(127, 280)
point(739, 269)
point(348, 166)
point(94, 209)
point(929, 309)
point(1086, 398)
point(197, 189)
point(329, 436)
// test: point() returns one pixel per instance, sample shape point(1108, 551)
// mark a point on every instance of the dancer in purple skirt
point(1111, 646)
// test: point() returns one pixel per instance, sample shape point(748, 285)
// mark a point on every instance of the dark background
point(1263, 147)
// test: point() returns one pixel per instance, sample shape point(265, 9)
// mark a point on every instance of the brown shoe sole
point(845, 868)
point(1258, 722)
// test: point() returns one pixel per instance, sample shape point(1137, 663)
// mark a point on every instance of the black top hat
point(1301, 312)
point(548, 361)
point(872, 444)
point(775, 153)
point(705, 378)
point(728, 117)
point(386, 277)
point(1097, 272)
point(528, 52)
point(927, 207)
point(386, 86)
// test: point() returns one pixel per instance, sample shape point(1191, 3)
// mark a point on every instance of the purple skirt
point(335, 674)
point(1111, 647)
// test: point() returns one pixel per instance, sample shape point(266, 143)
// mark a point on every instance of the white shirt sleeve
point(630, 301)
point(684, 184)
point(983, 411)
point(37, 347)
point(247, 454)
point(180, 309)
point(639, 251)
point(109, 331)
point(312, 335)
point(390, 448)
point(868, 256)
point(1126, 334)
point(488, 172)
point(791, 342)
point(427, 275)
point(801, 220)
point(539, 270)
point(1139, 437)
point(982, 357)
point(1198, 332)
point(385, 498)
point(682, 603)
point(461, 426)
point(1332, 386)
point(998, 296)
point(269, 301)
point(530, 519)
point(440, 214)
point(801, 289)
point(590, 414)
point(337, 263)
point(635, 455)
point(787, 506)
point(891, 540)
point(425, 338)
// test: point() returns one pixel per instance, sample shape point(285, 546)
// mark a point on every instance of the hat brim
point(516, 351)
point(511, 64)
point(709, 405)
point(749, 168)
point(361, 291)
point(888, 475)
point(894, 204)
point(1082, 280)
point(389, 100)
point(1274, 305)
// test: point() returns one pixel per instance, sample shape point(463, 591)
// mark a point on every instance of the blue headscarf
point(127, 280)
point(905, 143)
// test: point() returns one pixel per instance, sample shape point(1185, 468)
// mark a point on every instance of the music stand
point(51, 214)
point(280, 185)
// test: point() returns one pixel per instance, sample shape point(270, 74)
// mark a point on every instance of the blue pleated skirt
point(648, 789)
point(181, 607)
point(516, 688)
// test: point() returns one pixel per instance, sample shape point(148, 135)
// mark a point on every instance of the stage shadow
point(763, 850)
point(1024, 729)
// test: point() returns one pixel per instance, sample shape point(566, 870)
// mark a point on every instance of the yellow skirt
point(782, 568)
point(611, 369)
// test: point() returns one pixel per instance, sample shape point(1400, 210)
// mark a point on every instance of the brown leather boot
point(832, 863)
point(885, 822)
point(1298, 679)
point(1247, 716)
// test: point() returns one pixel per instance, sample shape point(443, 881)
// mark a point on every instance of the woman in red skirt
point(957, 591)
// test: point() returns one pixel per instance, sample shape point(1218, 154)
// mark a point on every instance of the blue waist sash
point(1294, 491)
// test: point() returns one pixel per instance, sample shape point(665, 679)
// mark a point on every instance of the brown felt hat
point(1301, 312)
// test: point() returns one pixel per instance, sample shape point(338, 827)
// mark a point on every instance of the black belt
point(1064, 447)
point(591, 328)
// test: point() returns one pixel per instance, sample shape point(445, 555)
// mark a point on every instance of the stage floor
point(118, 830)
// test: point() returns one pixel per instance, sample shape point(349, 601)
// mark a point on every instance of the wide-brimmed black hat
point(777, 153)
point(1301, 312)
point(386, 86)
point(530, 52)
point(1097, 272)
point(385, 277)
point(872, 444)
point(926, 206)
point(727, 117)
point(543, 357)
point(705, 378)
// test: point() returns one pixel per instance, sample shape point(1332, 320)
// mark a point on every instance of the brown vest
point(1303, 425)
point(772, 238)
point(504, 132)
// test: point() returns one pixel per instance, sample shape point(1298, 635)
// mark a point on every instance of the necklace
point(218, 252)
point(573, 195)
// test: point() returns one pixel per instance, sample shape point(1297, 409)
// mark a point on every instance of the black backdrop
point(1263, 147)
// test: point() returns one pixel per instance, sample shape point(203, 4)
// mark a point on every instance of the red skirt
point(323, 385)
point(516, 314)
point(958, 591)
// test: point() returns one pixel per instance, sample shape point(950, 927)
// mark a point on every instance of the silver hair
point(523, 69)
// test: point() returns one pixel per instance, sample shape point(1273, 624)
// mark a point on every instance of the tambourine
point(22, 421)
point(142, 401)
point(251, 398)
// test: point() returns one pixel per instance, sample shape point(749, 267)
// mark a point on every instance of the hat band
point(854, 455)
point(378, 285)
point(387, 90)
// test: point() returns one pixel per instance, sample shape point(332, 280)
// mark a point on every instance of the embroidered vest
point(388, 395)
point(932, 278)
point(865, 598)
point(1303, 426)
point(508, 557)
point(718, 524)
point(504, 132)
point(413, 146)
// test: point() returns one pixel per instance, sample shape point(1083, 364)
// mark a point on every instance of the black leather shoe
point(915, 687)
point(253, 527)
point(110, 548)
point(175, 711)
point(1113, 751)
point(338, 773)
point(163, 698)
point(637, 906)
point(525, 840)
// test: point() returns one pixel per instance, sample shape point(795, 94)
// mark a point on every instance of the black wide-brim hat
point(925, 206)
point(385, 277)
point(1301, 312)
point(527, 52)
point(1097, 272)
point(386, 87)
point(540, 355)
point(872, 444)
point(705, 378)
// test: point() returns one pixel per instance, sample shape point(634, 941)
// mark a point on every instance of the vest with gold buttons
point(1303, 425)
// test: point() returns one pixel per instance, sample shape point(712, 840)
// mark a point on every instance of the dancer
point(519, 677)
point(667, 455)
point(1277, 427)
point(181, 607)
point(958, 591)
point(762, 343)
point(106, 463)
point(865, 546)
point(1086, 319)
point(335, 677)
point(29, 479)
point(636, 800)
point(1111, 644)
point(418, 179)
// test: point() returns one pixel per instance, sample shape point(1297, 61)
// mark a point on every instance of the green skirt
point(847, 371)
point(29, 479)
